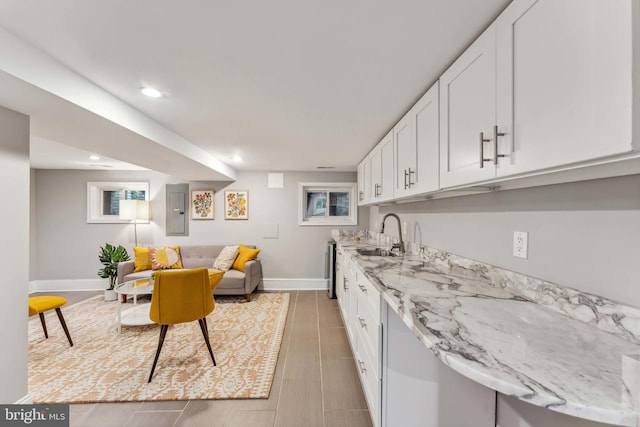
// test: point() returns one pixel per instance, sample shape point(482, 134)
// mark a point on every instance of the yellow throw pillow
point(244, 254)
point(142, 259)
point(165, 257)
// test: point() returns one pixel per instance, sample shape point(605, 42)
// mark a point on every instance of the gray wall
point(582, 235)
point(14, 253)
point(67, 246)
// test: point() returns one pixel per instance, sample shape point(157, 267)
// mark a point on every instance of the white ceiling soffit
point(286, 85)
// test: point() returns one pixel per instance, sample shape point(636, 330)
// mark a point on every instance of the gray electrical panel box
point(177, 209)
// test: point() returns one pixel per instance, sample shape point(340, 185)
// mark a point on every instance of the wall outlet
point(520, 243)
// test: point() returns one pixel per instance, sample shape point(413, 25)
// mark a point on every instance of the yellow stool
point(38, 305)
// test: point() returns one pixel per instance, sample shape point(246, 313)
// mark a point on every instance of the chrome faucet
point(398, 246)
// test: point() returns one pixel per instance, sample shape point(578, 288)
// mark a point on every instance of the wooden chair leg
point(205, 334)
point(163, 333)
point(64, 325)
point(44, 325)
point(248, 297)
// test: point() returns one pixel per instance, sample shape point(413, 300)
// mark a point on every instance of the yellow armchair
point(181, 296)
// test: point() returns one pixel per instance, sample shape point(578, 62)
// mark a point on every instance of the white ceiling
point(285, 84)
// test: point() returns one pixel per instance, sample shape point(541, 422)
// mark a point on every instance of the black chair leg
point(163, 333)
point(205, 334)
point(44, 325)
point(64, 325)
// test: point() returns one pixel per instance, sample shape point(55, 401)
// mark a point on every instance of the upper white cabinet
point(382, 170)
point(548, 84)
point(564, 82)
point(416, 147)
point(468, 113)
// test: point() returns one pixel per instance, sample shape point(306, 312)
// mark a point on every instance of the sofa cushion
point(142, 260)
point(196, 256)
point(245, 254)
point(232, 279)
point(225, 259)
point(165, 257)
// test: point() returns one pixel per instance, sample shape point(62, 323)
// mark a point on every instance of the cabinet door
point(382, 169)
point(405, 152)
point(467, 108)
point(564, 82)
point(387, 164)
point(362, 184)
point(426, 134)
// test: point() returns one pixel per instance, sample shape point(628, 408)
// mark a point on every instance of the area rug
point(104, 366)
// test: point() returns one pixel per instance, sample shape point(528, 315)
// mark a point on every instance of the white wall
point(14, 253)
point(67, 246)
point(582, 235)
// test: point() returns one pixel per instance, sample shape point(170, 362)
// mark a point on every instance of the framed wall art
point(202, 204)
point(236, 205)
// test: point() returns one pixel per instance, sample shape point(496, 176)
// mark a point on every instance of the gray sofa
point(233, 282)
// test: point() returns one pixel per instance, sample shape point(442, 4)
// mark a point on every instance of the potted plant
point(109, 257)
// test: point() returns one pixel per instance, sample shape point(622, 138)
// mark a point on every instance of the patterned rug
point(103, 366)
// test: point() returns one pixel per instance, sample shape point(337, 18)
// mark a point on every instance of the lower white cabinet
point(420, 390)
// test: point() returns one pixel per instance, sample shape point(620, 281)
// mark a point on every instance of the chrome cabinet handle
point(409, 176)
point(363, 324)
point(376, 192)
point(482, 141)
point(363, 288)
point(362, 368)
point(406, 175)
point(496, 134)
point(345, 284)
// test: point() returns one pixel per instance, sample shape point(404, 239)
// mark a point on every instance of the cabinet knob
point(363, 288)
point(363, 324)
point(482, 141)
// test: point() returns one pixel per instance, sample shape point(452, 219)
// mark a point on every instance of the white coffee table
point(137, 314)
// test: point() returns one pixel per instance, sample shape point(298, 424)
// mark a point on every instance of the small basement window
point(103, 199)
point(328, 203)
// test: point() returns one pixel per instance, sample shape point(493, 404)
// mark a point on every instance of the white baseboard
point(26, 400)
point(269, 284)
point(286, 284)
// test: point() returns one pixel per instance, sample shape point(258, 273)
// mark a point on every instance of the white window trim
point(95, 188)
point(350, 187)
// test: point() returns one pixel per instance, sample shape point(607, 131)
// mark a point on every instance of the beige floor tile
point(347, 418)
point(107, 415)
point(155, 419)
point(300, 404)
point(79, 408)
point(334, 343)
point(341, 385)
point(210, 413)
point(166, 405)
point(244, 418)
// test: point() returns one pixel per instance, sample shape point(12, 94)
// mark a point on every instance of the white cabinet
point(416, 139)
point(382, 161)
point(368, 344)
point(548, 84)
point(468, 113)
point(564, 82)
point(364, 181)
point(344, 281)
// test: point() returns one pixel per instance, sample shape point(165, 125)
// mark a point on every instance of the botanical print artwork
point(236, 205)
point(202, 206)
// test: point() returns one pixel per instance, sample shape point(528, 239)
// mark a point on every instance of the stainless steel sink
point(374, 252)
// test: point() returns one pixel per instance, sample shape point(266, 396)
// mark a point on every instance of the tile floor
point(315, 384)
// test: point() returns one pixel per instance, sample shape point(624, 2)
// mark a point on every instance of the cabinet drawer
point(371, 384)
point(368, 327)
point(367, 292)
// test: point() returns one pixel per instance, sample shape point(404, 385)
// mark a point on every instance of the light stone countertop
point(550, 346)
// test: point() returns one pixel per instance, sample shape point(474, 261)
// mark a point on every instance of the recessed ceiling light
point(236, 159)
point(94, 157)
point(151, 92)
point(325, 167)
